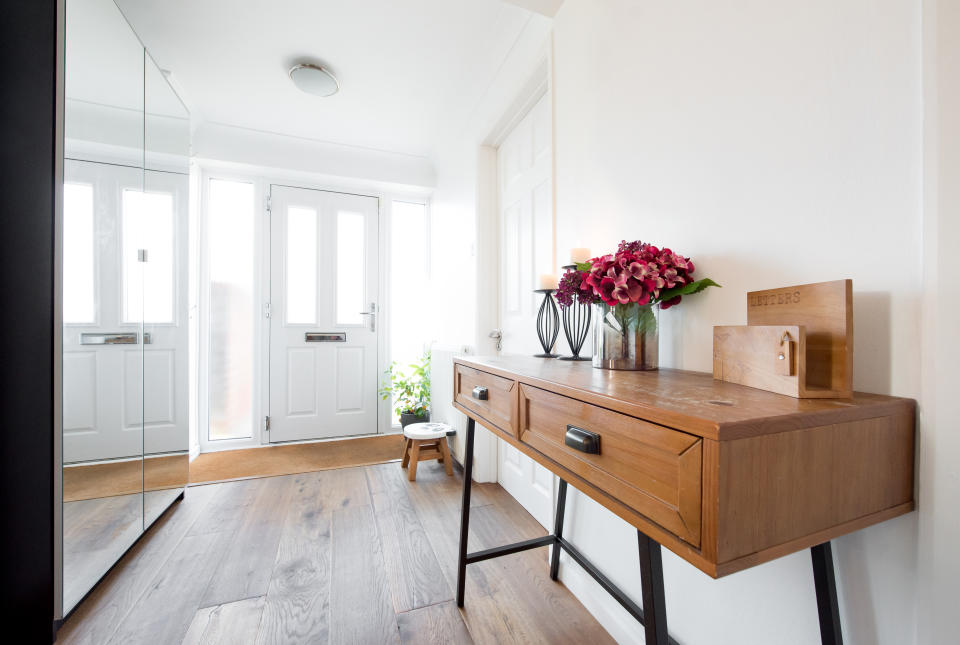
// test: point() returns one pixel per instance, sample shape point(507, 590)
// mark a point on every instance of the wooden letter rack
point(797, 341)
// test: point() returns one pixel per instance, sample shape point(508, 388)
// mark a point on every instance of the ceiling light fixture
point(314, 79)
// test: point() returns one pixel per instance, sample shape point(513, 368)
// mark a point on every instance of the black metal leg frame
point(653, 615)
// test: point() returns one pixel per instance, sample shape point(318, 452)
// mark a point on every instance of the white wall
point(776, 143)
point(939, 476)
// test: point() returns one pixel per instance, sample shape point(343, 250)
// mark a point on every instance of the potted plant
point(411, 393)
point(627, 289)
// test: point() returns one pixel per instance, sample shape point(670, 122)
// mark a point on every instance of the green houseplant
point(410, 391)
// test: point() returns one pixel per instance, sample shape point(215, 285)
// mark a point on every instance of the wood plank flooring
point(357, 555)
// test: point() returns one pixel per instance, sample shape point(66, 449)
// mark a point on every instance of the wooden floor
point(358, 555)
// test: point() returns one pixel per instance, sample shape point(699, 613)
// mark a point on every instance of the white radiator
point(441, 392)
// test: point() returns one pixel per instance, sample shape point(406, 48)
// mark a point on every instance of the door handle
point(497, 335)
point(373, 316)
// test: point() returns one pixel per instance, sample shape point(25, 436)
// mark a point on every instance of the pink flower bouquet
point(638, 273)
point(632, 283)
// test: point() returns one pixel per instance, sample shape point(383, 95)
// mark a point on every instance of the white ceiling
point(410, 71)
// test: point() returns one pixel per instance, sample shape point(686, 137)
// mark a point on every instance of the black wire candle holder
point(576, 325)
point(548, 323)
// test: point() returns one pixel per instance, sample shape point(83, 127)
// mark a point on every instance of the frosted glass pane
point(351, 276)
point(131, 236)
point(301, 266)
point(409, 277)
point(230, 252)
point(148, 225)
point(79, 304)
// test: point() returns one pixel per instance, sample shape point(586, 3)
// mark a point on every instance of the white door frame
point(262, 179)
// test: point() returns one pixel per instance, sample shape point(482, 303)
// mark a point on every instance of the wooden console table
point(725, 476)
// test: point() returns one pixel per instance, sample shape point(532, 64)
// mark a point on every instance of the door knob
point(497, 335)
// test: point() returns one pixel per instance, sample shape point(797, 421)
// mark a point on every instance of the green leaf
point(584, 266)
point(687, 289)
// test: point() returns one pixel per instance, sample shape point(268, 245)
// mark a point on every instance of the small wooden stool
point(425, 441)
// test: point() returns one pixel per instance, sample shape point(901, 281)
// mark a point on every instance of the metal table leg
point(465, 511)
point(651, 585)
point(828, 607)
point(558, 529)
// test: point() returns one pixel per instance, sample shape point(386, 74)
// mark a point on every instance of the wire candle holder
point(576, 325)
point(548, 323)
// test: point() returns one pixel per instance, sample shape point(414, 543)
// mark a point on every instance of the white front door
point(110, 290)
point(526, 247)
point(324, 321)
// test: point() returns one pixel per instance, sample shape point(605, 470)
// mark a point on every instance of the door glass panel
point(148, 225)
point(230, 249)
point(409, 265)
point(409, 272)
point(301, 266)
point(78, 254)
point(350, 268)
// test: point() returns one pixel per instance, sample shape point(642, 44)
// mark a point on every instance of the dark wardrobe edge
point(28, 150)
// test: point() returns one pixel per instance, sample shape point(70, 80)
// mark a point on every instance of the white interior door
point(324, 322)
point(526, 251)
point(109, 290)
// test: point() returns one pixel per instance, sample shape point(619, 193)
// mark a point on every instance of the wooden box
point(798, 341)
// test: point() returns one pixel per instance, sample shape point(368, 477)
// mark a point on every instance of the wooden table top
point(690, 401)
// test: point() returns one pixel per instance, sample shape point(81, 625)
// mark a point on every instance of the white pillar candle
point(547, 281)
point(579, 255)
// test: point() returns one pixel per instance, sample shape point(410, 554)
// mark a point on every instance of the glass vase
point(626, 337)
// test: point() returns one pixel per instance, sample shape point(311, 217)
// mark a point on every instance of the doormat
point(271, 461)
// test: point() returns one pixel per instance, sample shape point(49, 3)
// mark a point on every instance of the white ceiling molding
point(225, 143)
point(547, 8)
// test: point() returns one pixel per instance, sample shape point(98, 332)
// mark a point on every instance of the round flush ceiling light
point(314, 79)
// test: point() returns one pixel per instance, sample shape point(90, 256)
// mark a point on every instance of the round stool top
point(426, 430)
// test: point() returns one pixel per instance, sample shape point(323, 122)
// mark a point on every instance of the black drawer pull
point(480, 393)
point(582, 440)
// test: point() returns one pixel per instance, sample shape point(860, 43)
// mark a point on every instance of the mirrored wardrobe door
point(165, 309)
point(102, 494)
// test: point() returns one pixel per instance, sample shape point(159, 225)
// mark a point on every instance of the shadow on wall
point(865, 586)
point(872, 370)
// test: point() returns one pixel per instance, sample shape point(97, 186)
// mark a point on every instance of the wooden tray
point(798, 341)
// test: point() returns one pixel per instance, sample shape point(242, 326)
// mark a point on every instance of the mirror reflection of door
point(101, 339)
point(324, 325)
point(120, 243)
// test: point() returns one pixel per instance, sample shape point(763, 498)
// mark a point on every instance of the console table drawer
point(492, 397)
point(653, 469)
